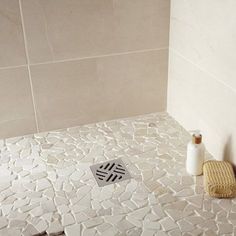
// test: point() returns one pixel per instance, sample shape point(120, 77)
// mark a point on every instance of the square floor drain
point(110, 172)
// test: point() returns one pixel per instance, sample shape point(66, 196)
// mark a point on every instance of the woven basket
point(219, 179)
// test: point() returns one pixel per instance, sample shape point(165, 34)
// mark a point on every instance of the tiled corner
point(87, 91)
point(202, 85)
point(46, 186)
point(16, 109)
point(196, 99)
point(12, 48)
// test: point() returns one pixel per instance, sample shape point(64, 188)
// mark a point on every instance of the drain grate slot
point(110, 172)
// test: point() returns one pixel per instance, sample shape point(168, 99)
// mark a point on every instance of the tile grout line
point(86, 58)
point(12, 67)
point(28, 65)
point(99, 56)
point(202, 69)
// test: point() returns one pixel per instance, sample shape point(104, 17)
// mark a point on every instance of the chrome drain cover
point(110, 172)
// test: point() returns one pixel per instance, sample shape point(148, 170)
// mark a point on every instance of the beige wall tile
point(204, 31)
point(198, 101)
point(12, 51)
point(16, 108)
point(85, 91)
point(58, 30)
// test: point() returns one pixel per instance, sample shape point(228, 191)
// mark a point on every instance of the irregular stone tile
point(140, 213)
point(147, 232)
point(175, 232)
point(151, 225)
point(49, 193)
point(61, 201)
point(81, 217)
point(176, 214)
point(197, 232)
point(89, 232)
point(168, 224)
point(42, 184)
point(226, 204)
point(124, 225)
point(17, 223)
point(125, 196)
point(210, 232)
point(82, 192)
point(110, 231)
point(225, 228)
point(6, 209)
point(195, 220)
point(205, 214)
point(55, 228)
point(233, 209)
point(57, 164)
point(130, 204)
point(103, 227)
point(196, 200)
point(209, 224)
point(185, 193)
point(232, 216)
point(157, 209)
point(76, 176)
point(185, 226)
point(222, 216)
point(73, 230)
point(48, 206)
point(187, 180)
point(161, 233)
point(93, 222)
point(166, 198)
point(41, 226)
point(38, 211)
point(178, 205)
point(62, 209)
point(152, 199)
point(12, 232)
point(67, 219)
point(92, 213)
point(29, 230)
point(134, 221)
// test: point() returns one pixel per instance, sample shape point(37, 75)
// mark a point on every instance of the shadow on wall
point(228, 151)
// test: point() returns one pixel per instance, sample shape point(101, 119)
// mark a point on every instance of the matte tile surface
point(77, 28)
point(16, 107)
point(12, 49)
point(87, 91)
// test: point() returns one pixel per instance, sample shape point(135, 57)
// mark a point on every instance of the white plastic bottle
point(195, 155)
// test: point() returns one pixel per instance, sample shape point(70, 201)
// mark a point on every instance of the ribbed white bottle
point(195, 155)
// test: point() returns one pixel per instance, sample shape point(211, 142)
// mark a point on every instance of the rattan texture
point(219, 179)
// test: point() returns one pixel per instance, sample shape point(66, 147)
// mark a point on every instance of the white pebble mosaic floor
point(47, 188)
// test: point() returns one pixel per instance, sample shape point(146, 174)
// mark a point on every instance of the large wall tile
point(16, 108)
point(85, 91)
point(198, 101)
point(58, 30)
point(204, 31)
point(12, 49)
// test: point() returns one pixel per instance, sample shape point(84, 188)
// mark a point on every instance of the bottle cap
point(196, 138)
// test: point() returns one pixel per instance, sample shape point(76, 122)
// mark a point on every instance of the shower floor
point(47, 187)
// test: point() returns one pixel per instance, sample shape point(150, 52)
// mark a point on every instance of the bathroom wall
point(70, 62)
point(202, 71)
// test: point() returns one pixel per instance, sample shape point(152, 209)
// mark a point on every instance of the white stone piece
point(168, 224)
point(73, 230)
point(93, 222)
point(67, 219)
point(55, 228)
